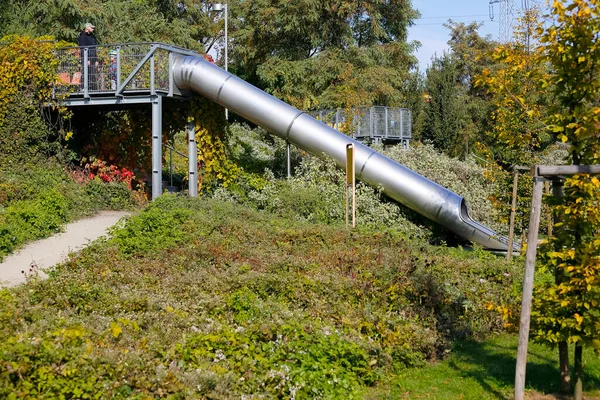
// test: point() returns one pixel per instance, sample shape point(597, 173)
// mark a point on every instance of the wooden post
point(534, 224)
point(513, 210)
point(563, 345)
point(547, 190)
point(350, 187)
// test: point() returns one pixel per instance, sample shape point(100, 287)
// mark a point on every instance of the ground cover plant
point(36, 201)
point(213, 299)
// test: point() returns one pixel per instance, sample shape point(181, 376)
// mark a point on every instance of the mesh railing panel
point(375, 123)
point(106, 61)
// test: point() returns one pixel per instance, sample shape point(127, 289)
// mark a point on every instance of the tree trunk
point(563, 357)
point(563, 347)
point(578, 395)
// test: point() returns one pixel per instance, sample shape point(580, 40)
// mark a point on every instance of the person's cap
point(112, 52)
point(88, 25)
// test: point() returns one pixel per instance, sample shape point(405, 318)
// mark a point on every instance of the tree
point(516, 134)
point(456, 114)
point(325, 55)
point(567, 310)
point(116, 21)
point(447, 114)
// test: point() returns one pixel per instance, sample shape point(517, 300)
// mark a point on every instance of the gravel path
point(48, 252)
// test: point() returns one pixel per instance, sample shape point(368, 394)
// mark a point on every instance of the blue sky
point(429, 30)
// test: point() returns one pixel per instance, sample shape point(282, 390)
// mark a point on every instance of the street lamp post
point(222, 7)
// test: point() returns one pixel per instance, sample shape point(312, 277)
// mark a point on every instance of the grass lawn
point(486, 370)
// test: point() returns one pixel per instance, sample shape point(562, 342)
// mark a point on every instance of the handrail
point(171, 150)
point(160, 45)
point(177, 151)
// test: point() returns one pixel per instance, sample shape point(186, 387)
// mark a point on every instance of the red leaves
point(109, 173)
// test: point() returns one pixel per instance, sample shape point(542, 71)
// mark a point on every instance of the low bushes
point(316, 192)
point(36, 201)
point(210, 298)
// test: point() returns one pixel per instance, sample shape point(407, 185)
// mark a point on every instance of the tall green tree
point(447, 114)
point(325, 54)
point(116, 21)
point(456, 115)
point(519, 104)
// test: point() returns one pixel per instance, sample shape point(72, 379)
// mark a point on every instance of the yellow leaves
point(578, 318)
point(115, 329)
point(71, 333)
point(572, 125)
point(25, 65)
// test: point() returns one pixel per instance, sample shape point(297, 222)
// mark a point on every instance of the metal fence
point(373, 124)
point(116, 69)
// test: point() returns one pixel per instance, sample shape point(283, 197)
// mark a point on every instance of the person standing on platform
point(87, 39)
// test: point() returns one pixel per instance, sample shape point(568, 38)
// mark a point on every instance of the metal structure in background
point(388, 125)
point(510, 15)
point(121, 75)
point(294, 126)
point(507, 16)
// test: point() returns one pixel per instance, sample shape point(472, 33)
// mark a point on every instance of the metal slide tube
point(398, 182)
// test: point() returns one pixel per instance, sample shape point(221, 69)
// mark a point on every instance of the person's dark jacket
point(86, 39)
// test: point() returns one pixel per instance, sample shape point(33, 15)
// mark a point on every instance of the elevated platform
point(120, 76)
point(125, 76)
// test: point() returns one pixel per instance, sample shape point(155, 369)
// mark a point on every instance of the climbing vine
point(27, 75)
point(214, 166)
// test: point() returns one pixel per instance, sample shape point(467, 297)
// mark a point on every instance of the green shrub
point(316, 193)
point(37, 200)
point(158, 227)
point(284, 361)
point(112, 196)
point(32, 219)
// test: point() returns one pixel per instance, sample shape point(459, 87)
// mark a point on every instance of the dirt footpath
point(48, 252)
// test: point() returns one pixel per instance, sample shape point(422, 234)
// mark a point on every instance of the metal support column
point(156, 147)
point(192, 160)
point(386, 122)
point(289, 160)
point(86, 73)
point(402, 125)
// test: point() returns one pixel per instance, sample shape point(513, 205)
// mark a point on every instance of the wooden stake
point(350, 183)
point(513, 210)
point(534, 224)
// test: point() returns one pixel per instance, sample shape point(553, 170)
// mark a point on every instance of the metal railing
point(117, 69)
point(171, 151)
point(375, 124)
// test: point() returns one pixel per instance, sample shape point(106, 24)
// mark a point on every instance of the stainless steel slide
point(398, 182)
